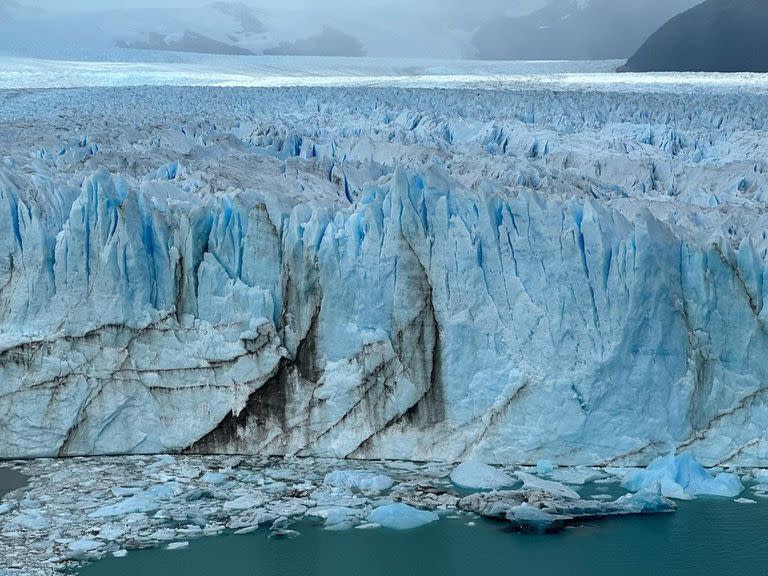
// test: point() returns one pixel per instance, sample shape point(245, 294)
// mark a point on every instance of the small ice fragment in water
point(531, 482)
point(368, 526)
point(245, 502)
point(82, 549)
point(400, 516)
point(578, 475)
point(214, 478)
point(177, 545)
point(284, 534)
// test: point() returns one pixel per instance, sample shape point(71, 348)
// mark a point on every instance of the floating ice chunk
point(121, 491)
point(544, 467)
point(333, 516)
point(531, 482)
point(246, 530)
point(535, 518)
point(83, 548)
point(120, 553)
point(6, 507)
point(245, 502)
point(162, 462)
point(744, 501)
point(284, 534)
point(177, 545)
point(164, 491)
point(761, 476)
point(134, 504)
point(144, 501)
point(111, 532)
point(214, 478)
point(648, 501)
point(681, 477)
point(30, 520)
point(359, 480)
point(401, 516)
point(578, 475)
point(479, 476)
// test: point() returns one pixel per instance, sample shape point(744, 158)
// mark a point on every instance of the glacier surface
point(502, 275)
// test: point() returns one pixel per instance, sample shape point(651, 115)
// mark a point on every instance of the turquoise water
point(10, 480)
point(717, 537)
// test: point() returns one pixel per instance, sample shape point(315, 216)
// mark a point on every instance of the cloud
point(395, 28)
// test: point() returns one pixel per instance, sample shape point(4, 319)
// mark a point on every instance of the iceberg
point(476, 475)
point(682, 478)
point(543, 512)
point(401, 516)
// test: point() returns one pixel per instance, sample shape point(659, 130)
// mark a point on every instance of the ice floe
point(476, 475)
point(682, 478)
point(401, 516)
point(359, 480)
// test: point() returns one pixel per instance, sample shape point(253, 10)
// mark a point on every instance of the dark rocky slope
point(715, 36)
point(576, 30)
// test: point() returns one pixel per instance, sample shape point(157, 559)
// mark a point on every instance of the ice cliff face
point(382, 273)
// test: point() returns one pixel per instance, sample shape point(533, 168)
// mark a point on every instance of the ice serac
point(683, 478)
point(505, 277)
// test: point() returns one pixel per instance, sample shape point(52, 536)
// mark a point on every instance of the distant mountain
point(188, 41)
point(329, 42)
point(217, 28)
point(576, 30)
point(715, 36)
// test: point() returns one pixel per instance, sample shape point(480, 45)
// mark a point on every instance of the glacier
point(500, 275)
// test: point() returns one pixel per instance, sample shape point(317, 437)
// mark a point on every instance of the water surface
point(10, 480)
point(709, 536)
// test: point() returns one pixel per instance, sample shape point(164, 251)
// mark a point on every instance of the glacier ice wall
point(504, 275)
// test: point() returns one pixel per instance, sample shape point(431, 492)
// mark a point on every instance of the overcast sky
point(352, 5)
point(390, 28)
point(436, 28)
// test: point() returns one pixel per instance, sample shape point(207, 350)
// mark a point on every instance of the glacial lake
point(706, 536)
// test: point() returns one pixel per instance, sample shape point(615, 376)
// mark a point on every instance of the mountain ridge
point(575, 30)
point(714, 36)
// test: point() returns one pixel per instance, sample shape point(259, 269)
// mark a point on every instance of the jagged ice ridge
point(498, 275)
